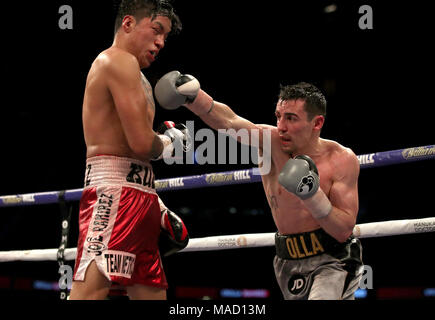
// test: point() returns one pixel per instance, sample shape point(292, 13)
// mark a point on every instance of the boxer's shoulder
point(115, 60)
point(268, 127)
point(340, 157)
point(274, 139)
point(272, 129)
point(336, 150)
point(113, 54)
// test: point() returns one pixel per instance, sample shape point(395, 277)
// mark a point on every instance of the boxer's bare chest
point(288, 211)
point(149, 96)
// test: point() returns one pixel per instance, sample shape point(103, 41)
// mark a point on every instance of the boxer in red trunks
point(120, 216)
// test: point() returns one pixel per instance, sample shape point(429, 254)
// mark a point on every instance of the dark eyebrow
point(162, 29)
point(159, 24)
point(286, 114)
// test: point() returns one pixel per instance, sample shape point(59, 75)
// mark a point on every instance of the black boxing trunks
point(119, 222)
point(315, 266)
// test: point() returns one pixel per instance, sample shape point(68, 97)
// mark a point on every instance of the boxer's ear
point(318, 122)
point(128, 23)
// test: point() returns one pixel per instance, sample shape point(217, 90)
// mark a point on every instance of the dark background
point(378, 83)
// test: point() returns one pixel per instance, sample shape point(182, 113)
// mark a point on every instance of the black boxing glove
point(173, 235)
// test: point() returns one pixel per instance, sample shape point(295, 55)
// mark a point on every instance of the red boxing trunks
point(119, 223)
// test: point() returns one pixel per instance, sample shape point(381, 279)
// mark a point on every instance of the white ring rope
point(238, 241)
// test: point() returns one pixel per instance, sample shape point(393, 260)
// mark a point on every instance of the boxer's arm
point(124, 82)
point(221, 116)
point(175, 89)
point(344, 199)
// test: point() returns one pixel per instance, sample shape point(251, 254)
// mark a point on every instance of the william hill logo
point(169, 183)
point(418, 152)
point(366, 158)
point(162, 184)
point(223, 177)
point(219, 177)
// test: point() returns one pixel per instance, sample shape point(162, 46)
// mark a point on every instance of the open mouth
point(152, 55)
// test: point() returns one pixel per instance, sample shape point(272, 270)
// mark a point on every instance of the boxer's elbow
point(343, 236)
point(221, 117)
point(339, 226)
point(142, 150)
point(146, 146)
point(218, 122)
point(345, 233)
point(348, 221)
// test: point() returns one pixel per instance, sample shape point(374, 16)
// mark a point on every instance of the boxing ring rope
point(374, 229)
point(238, 241)
point(252, 175)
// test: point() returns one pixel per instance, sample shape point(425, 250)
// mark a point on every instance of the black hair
point(315, 101)
point(140, 9)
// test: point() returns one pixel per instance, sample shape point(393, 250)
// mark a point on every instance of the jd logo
point(296, 284)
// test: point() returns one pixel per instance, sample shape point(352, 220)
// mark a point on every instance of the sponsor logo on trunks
point(95, 245)
point(141, 175)
point(87, 176)
point(296, 284)
point(299, 247)
point(119, 263)
point(101, 219)
point(100, 222)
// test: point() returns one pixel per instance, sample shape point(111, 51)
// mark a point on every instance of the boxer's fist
point(173, 136)
point(172, 130)
point(173, 235)
point(175, 89)
point(300, 176)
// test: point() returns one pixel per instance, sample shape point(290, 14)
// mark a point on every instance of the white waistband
point(113, 170)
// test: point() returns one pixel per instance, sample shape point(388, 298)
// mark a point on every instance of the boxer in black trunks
point(311, 187)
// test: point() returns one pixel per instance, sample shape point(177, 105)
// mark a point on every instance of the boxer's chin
point(287, 149)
